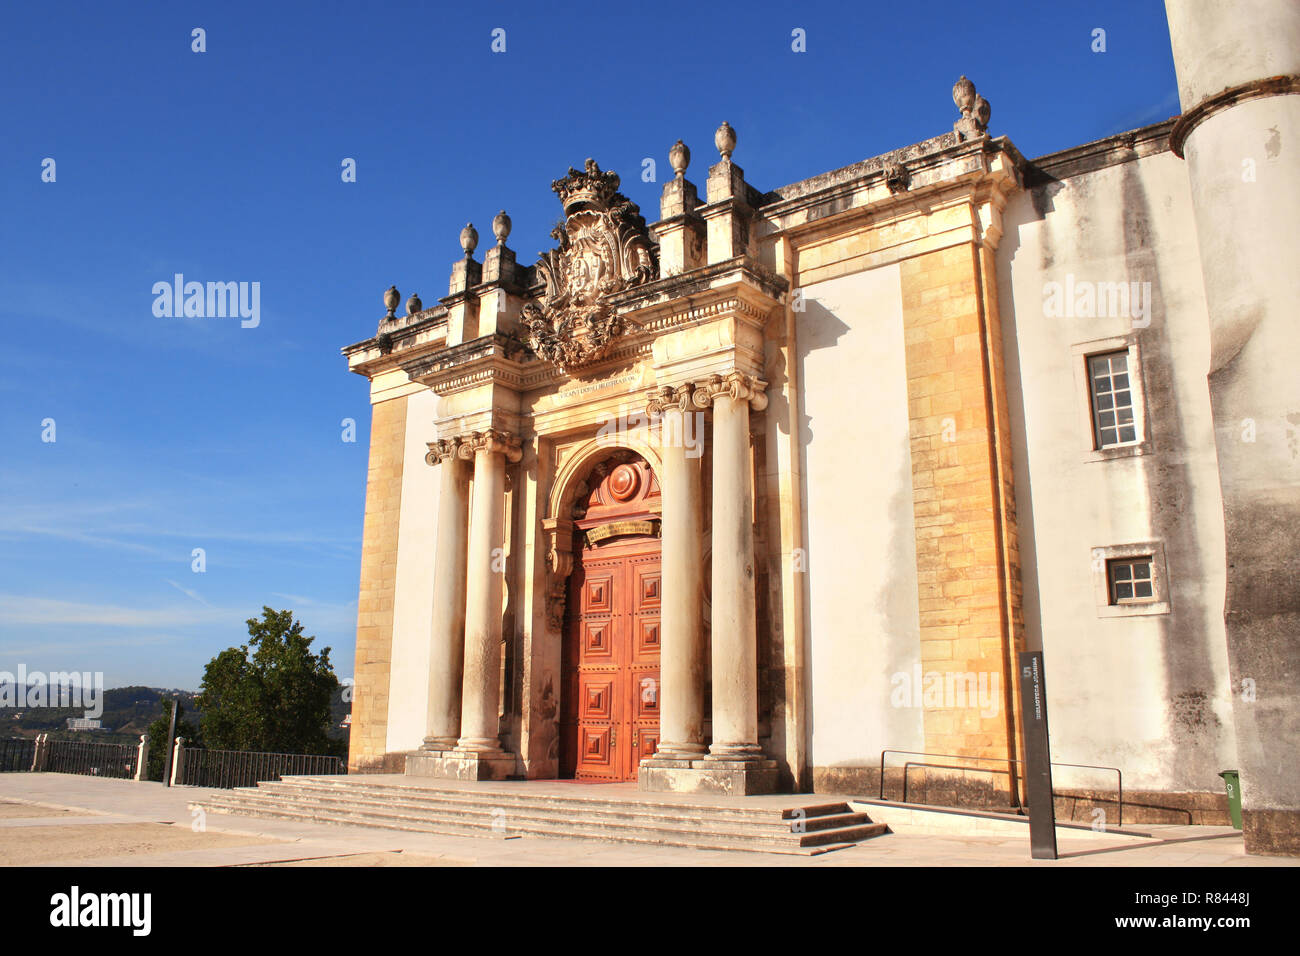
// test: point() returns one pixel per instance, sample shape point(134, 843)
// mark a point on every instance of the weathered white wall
point(408, 692)
point(1149, 694)
point(862, 613)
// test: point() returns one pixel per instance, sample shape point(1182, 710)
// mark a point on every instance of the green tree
point(158, 736)
point(275, 699)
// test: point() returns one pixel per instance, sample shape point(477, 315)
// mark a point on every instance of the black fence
point(16, 755)
point(90, 759)
point(234, 768)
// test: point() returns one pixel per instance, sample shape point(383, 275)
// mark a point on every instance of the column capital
point(448, 448)
point(494, 441)
point(736, 385)
point(668, 397)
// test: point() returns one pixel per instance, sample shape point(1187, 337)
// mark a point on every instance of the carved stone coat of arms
point(604, 248)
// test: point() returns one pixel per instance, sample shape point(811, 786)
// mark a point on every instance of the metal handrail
point(16, 754)
point(1119, 775)
point(227, 769)
point(90, 758)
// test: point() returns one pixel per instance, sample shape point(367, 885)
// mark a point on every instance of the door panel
point(610, 714)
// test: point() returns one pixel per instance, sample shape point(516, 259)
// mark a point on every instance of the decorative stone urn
point(413, 304)
point(469, 240)
point(391, 298)
point(501, 227)
point(680, 157)
point(725, 140)
point(975, 111)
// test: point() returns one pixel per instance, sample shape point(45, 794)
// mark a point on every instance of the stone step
point(486, 812)
point(827, 816)
point(802, 844)
point(483, 819)
point(505, 799)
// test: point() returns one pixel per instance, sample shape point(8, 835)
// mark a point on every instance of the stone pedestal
point(454, 765)
point(710, 775)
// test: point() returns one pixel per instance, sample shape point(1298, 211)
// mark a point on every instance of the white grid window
point(1131, 581)
point(1112, 400)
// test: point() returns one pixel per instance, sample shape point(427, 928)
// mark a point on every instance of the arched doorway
point(609, 712)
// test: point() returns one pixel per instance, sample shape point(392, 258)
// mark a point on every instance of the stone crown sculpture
point(604, 248)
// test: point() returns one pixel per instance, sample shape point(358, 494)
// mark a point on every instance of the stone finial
point(469, 239)
point(975, 110)
point(391, 298)
point(501, 227)
point(725, 140)
point(413, 304)
point(680, 157)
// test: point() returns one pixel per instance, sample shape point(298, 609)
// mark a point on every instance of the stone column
point(1239, 82)
point(479, 720)
point(447, 639)
point(681, 654)
point(735, 668)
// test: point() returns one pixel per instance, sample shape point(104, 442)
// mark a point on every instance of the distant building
point(84, 723)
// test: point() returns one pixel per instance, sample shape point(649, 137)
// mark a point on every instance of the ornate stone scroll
point(604, 248)
point(559, 565)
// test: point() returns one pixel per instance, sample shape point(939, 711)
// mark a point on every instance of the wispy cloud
point(189, 593)
point(23, 609)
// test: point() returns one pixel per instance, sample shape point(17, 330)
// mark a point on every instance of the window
point(1130, 580)
point(1108, 389)
point(1112, 400)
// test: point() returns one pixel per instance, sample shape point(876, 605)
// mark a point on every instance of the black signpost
point(171, 744)
point(1038, 759)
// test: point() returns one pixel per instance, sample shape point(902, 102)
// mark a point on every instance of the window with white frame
point(1111, 391)
point(1130, 580)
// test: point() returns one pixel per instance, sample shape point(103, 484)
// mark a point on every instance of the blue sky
point(173, 434)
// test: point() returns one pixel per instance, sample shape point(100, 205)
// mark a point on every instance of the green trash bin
point(1232, 781)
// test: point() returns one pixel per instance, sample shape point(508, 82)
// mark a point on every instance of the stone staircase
point(457, 811)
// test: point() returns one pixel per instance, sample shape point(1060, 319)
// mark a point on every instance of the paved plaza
point(51, 819)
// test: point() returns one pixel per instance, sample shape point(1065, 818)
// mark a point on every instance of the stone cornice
point(1198, 114)
point(491, 358)
point(699, 283)
point(397, 341)
point(1089, 157)
point(907, 178)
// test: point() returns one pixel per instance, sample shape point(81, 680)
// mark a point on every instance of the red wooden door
point(610, 709)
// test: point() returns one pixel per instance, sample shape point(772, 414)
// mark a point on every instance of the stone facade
point(877, 435)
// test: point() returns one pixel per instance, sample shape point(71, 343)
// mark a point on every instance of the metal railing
point(907, 765)
point(17, 754)
point(90, 759)
point(226, 769)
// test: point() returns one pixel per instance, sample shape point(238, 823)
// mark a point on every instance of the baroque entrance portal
point(609, 716)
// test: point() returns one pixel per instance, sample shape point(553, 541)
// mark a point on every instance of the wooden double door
point(609, 716)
